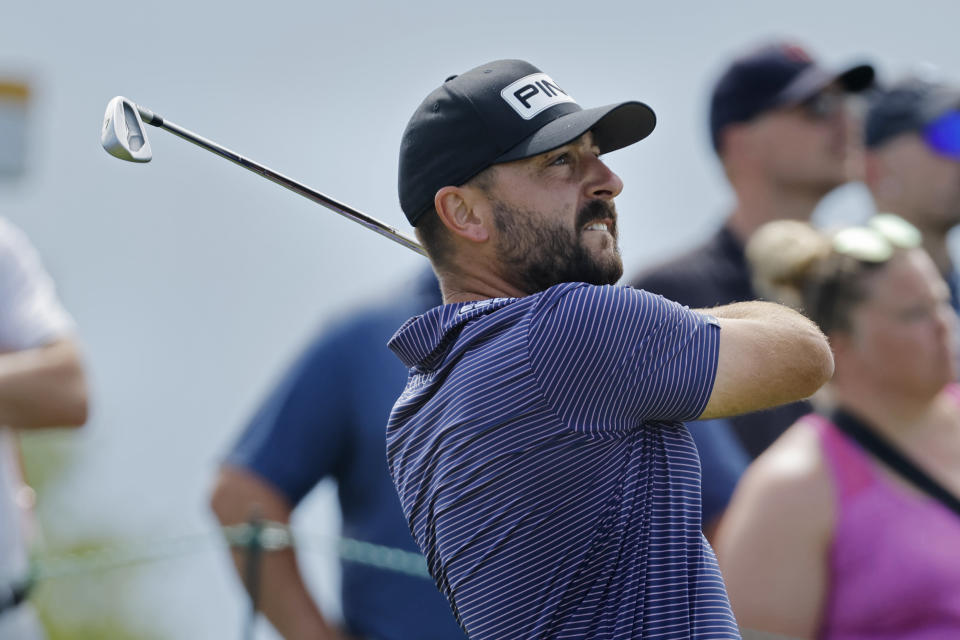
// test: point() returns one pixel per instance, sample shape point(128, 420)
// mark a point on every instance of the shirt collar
point(423, 340)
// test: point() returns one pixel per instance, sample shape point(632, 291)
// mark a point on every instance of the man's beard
point(543, 254)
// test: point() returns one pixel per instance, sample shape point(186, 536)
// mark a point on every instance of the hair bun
point(781, 255)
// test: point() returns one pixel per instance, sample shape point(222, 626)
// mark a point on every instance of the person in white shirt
point(42, 384)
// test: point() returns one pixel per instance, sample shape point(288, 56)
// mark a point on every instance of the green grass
point(95, 605)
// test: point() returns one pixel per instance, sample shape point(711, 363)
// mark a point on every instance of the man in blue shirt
point(538, 448)
point(779, 124)
point(912, 138)
point(326, 419)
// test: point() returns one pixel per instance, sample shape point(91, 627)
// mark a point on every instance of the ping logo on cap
point(531, 94)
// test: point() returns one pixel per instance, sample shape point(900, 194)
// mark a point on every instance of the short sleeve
point(300, 431)
point(609, 359)
point(30, 314)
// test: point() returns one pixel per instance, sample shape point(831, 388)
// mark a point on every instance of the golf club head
point(123, 134)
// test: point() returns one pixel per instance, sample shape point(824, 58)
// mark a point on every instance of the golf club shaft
point(382, 228)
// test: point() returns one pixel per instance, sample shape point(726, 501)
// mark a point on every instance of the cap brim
point(815, 79)
point(858, 78)
point(614, 127)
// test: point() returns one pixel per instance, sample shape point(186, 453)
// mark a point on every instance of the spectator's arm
point(769, 355)
point(43, 386)
point(283, 596)
point(774, 538)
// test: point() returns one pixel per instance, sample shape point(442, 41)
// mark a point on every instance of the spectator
point(42, 384)
point(779, 126)
point(327, 418)
point(825, 536)
point(912, 136)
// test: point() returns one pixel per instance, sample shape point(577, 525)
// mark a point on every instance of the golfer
point(538, 448)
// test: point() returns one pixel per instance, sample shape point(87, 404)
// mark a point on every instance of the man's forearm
point(43, 387)
point(769, 355)
point(282, 595)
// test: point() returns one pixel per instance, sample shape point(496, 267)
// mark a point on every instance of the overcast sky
point(193, 282)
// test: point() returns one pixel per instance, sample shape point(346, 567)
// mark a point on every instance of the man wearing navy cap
point(912, 136)
point(779, 125)
point(538, 448)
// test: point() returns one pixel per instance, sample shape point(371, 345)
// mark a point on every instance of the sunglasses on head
point(943, 134)
point(878, 239)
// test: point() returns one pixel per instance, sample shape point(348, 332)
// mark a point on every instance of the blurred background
point(194, 282)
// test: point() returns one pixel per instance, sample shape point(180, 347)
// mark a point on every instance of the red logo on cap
point(796, 53)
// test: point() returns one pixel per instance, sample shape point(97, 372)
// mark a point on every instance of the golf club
point(123, 136)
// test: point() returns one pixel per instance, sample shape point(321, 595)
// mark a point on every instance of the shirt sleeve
point(30, 313)
point(609, 359)
point(301, 430)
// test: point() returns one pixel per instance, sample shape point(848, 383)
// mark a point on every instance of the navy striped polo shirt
point(542, 464)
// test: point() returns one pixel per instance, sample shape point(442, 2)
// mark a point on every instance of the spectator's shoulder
point(374, 323)
point(677, 270)
point(16, 250)
point(790, 471)
point(693, 277)
point(11, 234)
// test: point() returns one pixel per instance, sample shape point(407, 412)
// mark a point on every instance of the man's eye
point(563, 158)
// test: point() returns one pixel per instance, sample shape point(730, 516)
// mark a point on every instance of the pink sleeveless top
point(894, 566)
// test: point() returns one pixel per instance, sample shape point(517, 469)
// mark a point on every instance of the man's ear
point(461, 209)
point(735, 140)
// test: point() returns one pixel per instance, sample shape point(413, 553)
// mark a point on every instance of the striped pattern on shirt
point(541, 461)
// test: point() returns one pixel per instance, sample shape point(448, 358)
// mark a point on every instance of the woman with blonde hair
point(848, 526)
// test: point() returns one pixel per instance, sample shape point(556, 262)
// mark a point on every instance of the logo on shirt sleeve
point(531, 94)
point(710, 319)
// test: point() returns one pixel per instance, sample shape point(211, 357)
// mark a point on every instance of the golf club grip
point(338, 207)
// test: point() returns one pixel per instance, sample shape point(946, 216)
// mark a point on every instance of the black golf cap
point(774, 75)
point(907, 106)
point(501, 111)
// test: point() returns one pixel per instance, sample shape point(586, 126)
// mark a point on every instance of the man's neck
point(762, 203)
point(936, 246)
point(461, 287)
point(934, 237)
